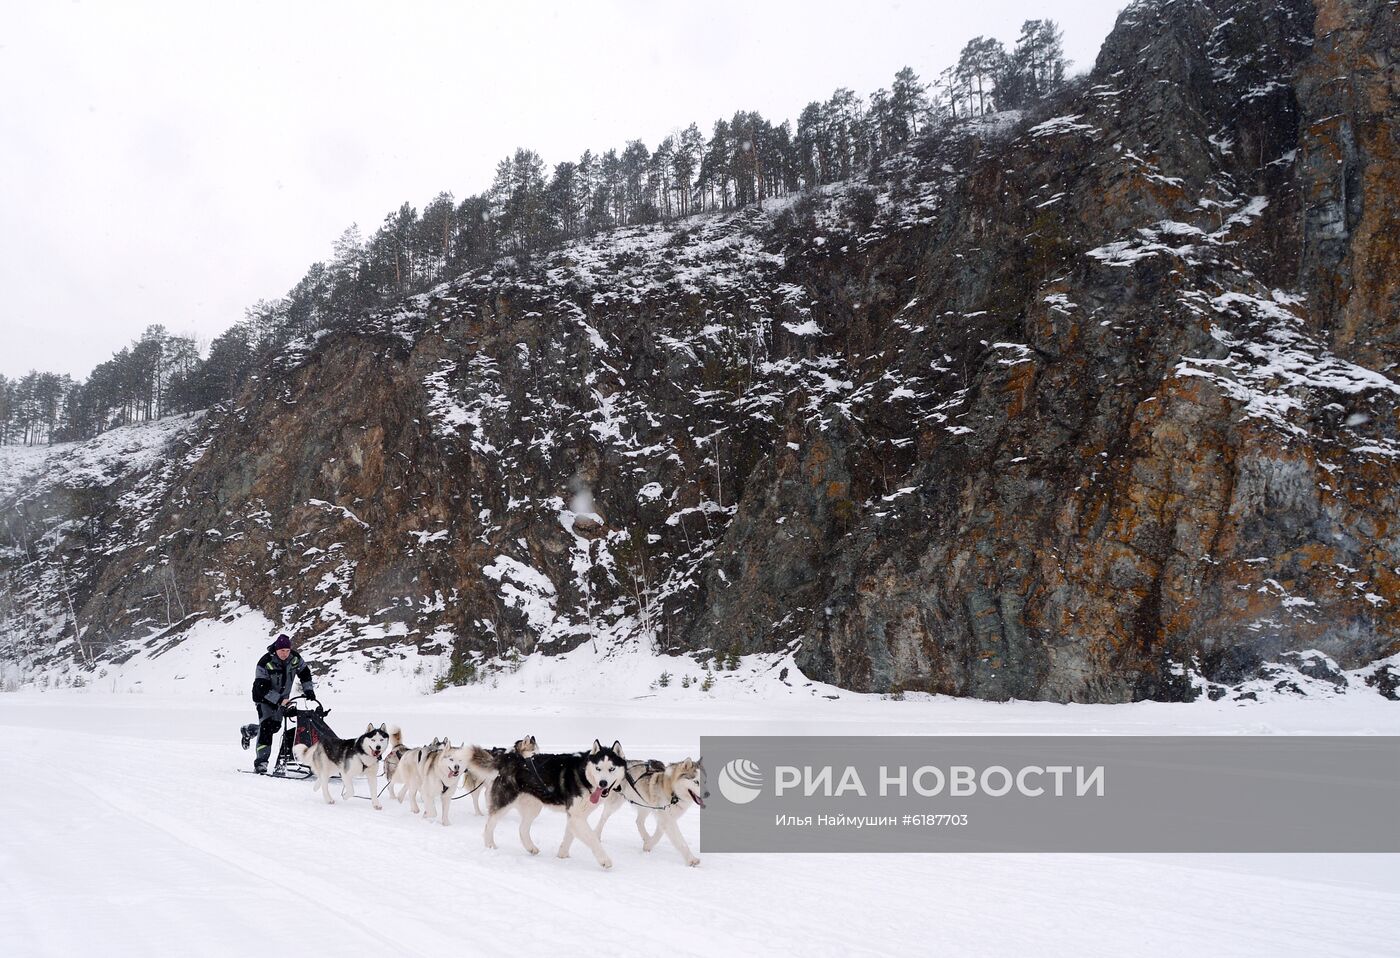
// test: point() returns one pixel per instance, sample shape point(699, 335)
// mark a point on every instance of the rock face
point(1099, 406)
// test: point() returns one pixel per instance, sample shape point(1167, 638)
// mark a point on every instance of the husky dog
point(437, 778)
point(666, 791)
point(395, 753)
point(573, 783)
point(473, 785)
point(348, 758)
point(407, 771)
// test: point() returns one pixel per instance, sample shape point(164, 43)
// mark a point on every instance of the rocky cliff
point(1096, 403)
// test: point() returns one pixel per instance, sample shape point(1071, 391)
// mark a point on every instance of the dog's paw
point(562, 853)
point(532, 849)
point(647, 846)
point(692, 862)
point(606, 863)
point(378, 807)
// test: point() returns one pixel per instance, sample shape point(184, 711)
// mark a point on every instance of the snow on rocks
point(1276, 369)
point(1061, 125)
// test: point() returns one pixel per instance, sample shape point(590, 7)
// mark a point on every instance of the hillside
point(1093, 403)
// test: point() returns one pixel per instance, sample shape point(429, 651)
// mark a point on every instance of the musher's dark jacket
point(274, 679)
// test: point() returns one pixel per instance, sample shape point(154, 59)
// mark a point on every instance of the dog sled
point(307, 726)
point(300, 726)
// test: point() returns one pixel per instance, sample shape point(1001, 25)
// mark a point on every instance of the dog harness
point(675, 799)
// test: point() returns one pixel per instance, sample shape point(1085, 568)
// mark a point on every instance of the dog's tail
point(482, 763)
point(299, 751)
point(395, 737)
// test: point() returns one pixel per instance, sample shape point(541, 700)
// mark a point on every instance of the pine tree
point(660, 171)
point(517, 198)
point(308, 302)
point(585, 183)
point(562, 201)
point(844, 116)
point(909, 105)
point(391, 259)
point(811, 163)
point(608, 202)
point(685, 161)
point(980, 62)
point(1035, 68)
point(715, 176)
point(632, 173)
point(475, 240)
point(432, 240)
point(7, 411)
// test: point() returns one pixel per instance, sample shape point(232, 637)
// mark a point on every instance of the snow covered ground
point(127, 831)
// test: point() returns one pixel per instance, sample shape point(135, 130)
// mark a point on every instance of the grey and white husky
point(665, 791)
point(395, 753)
point(573, 783)
point(349, 758)
point(435, 779)
point(404, 780)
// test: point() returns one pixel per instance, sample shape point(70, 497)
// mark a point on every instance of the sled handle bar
point(319, 709)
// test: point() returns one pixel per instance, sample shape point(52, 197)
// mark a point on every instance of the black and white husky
point(666, 791)
point(574, 783)
point(349, 758)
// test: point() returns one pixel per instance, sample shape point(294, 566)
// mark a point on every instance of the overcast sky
point(173, 163)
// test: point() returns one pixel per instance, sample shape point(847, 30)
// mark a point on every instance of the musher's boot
point(248, 732)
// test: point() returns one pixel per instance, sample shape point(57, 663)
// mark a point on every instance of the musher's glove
point(309, 696)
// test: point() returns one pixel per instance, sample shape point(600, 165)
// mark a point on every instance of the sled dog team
point(521, 778)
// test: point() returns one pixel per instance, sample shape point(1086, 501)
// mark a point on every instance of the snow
point(341, 509)
point(151, 836)
point(1128, 252)
point(995, 125)
point(95, 463)
point(1062, 124)
point(1273, 375)
point(155, 838)
point(525, 588)
point(1248, 214)
point(806, 328)
point(18, 463)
